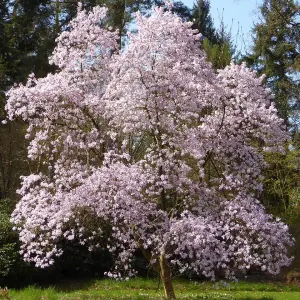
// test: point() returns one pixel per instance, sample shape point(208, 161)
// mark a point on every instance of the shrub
point(8, 239)
point(293, 277)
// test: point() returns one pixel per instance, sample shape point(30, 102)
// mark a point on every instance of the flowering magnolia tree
point(148, 149)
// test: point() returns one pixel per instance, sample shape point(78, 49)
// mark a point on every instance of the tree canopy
point(162, 152)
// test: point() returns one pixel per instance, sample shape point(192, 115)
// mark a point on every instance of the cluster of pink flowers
point(162, 152)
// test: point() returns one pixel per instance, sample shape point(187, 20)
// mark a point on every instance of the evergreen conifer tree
point(276, 53)
point(216, 43)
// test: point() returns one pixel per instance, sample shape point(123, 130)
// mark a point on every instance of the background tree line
point(28, 29)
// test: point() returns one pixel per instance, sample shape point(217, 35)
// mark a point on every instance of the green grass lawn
point(149, 289)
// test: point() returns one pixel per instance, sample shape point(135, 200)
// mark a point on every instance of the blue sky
point(238, 16)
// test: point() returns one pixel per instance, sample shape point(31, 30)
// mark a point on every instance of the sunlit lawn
point(150, 289)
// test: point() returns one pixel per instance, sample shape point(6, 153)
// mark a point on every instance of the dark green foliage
point(8, 239)
point(216, 43)
point(3, 47)
point(8, 256)
point(281, 194)
point(281, 184)
point(218, 54)
point(203, 21)
point(276, 52)
point(28, 39)
point(13, 160)
point(8, 249)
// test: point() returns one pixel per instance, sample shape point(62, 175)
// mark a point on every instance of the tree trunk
point(57, 11)
point(165, 275)
point(161, 267)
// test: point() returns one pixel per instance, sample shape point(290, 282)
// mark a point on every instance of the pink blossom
point(165, 154)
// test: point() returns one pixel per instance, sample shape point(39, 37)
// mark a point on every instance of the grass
point(148, 289)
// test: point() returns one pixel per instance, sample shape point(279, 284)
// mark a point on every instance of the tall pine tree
point(203, 21)
point(216, 43)
point(276, 53)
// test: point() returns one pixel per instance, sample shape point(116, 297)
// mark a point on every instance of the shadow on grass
point(71, 285)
